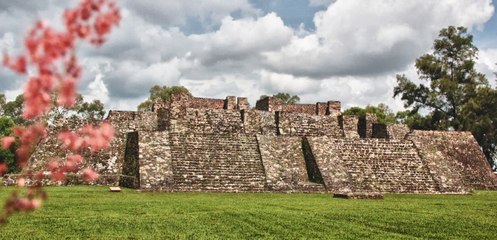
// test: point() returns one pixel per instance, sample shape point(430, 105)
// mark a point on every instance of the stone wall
point(397, 131)
point(390, 131)
point(217, 162)
point(208, 121)
point(50, 148)
point(322, 108)
point(365, 127)
point(201, 144)
point(131, 166)
point(350, 125)
point(284, 164)
point(455, 160)
point(299, 108)
point(269, 104)
point(272, 104)
point(259, 122)
point(334, 108)
point(371, 165)
point(72, 179)
point(156, 171)
point(107, 162)
point(379, 131)
point(208, 103)
point(295, 124)
point(242, 103)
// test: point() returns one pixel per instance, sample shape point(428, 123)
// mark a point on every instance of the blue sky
point(488, 37)
point(293, 12)
point(347, 50)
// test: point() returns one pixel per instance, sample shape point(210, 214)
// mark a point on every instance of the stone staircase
point(221, 163)
point(310, 187)
point(372, 165)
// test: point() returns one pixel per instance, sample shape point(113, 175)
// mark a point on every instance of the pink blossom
point(67, 92)
point(76, 159)
point(50, 54)
point(52, 166)
point(72, 163)
point(39, 175)
point(70, 140)
point(3, 168)
point(58, 175)
point(89, 175)
point(7, 142)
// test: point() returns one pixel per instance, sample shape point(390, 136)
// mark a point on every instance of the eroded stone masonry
point(201, 144)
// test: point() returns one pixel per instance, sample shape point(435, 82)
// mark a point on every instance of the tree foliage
point(284, 97)
point(89, 111)
point(382, 111)
point(7, 155)
point(2, 103)
point(455, 95)
point(13, 109)
point(161, 94)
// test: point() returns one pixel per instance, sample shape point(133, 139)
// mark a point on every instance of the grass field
point(95, 213)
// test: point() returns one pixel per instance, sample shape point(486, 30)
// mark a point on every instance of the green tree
point(89, 111)
point(383, 113)
point(161, 94)
point(13, 109)
point(2, 103)
point(414, 120)
point(7, 155)
point(480, 115)
point(284, 97)
point(453, 90)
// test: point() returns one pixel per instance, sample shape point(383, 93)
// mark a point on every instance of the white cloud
point(237, 39)
point(177, 13)
point(277, 82)
point(486, 64)
point(356, 37)
point(97, 90)
point(7, 42)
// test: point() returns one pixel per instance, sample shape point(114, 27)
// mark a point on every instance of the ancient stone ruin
point(200, 144)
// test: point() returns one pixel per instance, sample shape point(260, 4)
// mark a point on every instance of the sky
point(320, 50)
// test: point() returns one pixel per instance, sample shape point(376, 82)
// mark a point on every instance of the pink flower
point(76, 159)
point(50, 54)
point(70, 140)
point(7, 142)
point(58, 176)
point(39, 175)
point(72, 163)
point(52, 166)
point(67, 92)
point(89, 175)
point(3, 168)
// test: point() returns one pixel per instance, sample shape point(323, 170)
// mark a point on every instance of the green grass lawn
point(95, 213)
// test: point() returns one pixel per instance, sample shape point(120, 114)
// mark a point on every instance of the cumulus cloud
point(486, 64)
point(355, 37)
point(178, 13)
point(97, 90)
point(237, 39)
